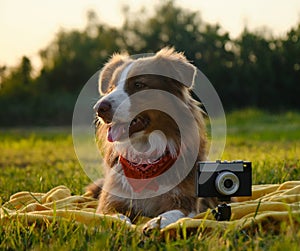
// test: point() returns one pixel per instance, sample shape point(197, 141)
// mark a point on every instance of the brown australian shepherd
point(151, 132)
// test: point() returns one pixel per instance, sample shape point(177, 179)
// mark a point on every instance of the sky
point(26, 26)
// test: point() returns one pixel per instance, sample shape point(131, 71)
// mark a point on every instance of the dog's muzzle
point(104, 111)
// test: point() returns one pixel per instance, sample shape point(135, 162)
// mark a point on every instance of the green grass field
point(38, 159)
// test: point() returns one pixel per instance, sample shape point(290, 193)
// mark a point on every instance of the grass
point(37, 159)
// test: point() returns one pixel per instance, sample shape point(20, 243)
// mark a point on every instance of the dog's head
point(140, 98)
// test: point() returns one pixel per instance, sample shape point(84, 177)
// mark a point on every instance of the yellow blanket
point(268, 206)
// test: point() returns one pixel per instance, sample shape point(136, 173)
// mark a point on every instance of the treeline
point(255, 69)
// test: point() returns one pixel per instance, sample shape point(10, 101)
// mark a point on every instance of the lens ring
point(220, 183)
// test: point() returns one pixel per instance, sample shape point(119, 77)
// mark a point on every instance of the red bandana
point(141, 176)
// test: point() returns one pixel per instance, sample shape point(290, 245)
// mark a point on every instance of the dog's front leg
point(162, 221)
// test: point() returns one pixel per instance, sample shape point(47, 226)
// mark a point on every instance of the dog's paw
point(122, 217)
point(162, 221)
point(152, 225)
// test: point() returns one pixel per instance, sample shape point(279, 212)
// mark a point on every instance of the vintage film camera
point(224, 179)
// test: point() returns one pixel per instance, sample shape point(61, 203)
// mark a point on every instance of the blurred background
point(250, 51)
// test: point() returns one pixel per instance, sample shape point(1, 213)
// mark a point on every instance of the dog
point(141, 143)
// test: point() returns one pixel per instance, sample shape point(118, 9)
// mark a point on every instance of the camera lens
point(227, 183)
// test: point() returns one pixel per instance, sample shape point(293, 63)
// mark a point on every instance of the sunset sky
point(28, 26)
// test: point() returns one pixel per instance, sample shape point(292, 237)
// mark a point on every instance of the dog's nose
point(104, 111)
point(103, 107)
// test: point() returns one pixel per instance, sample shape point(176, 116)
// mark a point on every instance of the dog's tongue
point(115, 132)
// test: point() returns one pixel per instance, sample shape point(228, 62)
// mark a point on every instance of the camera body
point(224, 179)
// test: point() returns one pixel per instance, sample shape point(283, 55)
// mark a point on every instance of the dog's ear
point(177, 66)
point(108, 70)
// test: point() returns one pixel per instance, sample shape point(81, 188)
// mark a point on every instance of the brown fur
point(183, 196)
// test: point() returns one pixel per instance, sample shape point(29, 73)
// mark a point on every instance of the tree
point(290, 67)
point(74, 56)
point(254, 69)
point(17, 81)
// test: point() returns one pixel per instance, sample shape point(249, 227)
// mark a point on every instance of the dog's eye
point(139, 84)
